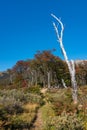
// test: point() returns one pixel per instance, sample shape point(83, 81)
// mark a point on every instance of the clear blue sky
point(26, 26)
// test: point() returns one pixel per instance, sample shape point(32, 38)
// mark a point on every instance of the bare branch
point(56, 29)
point(62, 26)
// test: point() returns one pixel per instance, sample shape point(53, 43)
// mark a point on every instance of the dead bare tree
point(48, 74)
point(71, 65)
point(64, 85)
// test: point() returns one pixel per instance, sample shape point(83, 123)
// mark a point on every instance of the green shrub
point(62, 101)
point(34, 89)
point(85, 124)
point(17, 122)
point(12, 109)
point(64, 122)
point(3, 114)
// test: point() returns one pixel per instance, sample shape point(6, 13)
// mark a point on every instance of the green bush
point(12, 109)
point(34, 89)
point(62, 101)
point(3, 114)
point(64, 122)
point(17, 122)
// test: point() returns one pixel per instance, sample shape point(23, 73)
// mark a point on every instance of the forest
point(36, 94)
point(45, 70)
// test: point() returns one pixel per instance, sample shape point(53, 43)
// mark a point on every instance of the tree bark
point(49, 79)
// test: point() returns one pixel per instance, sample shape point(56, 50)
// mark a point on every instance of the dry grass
point(30, 107)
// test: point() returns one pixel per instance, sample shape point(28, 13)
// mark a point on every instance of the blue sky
point(26, 26)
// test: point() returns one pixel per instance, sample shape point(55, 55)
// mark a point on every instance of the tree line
point(45, 70)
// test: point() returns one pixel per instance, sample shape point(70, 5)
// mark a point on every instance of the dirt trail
point(43, 90)
point(38, 124)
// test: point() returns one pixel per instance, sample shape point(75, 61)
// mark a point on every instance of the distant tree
point(81, 73)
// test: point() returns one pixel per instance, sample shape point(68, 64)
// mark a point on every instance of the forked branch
point(62, 26)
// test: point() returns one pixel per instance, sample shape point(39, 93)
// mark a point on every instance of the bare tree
point(64, 85)
point(48, 73)
point(71, 65)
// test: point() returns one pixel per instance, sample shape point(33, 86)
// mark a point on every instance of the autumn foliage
point(35, 72)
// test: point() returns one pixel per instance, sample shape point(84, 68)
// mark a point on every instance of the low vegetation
point(60, 113)
point(18, 108)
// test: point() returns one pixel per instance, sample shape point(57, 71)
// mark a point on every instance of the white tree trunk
point(71, 65)
point(48, 79)
point(64, 85)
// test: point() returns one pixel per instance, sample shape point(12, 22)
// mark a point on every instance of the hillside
point(33, 95)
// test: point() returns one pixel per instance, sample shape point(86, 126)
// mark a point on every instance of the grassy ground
point(43, 109)
point(60, 113)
